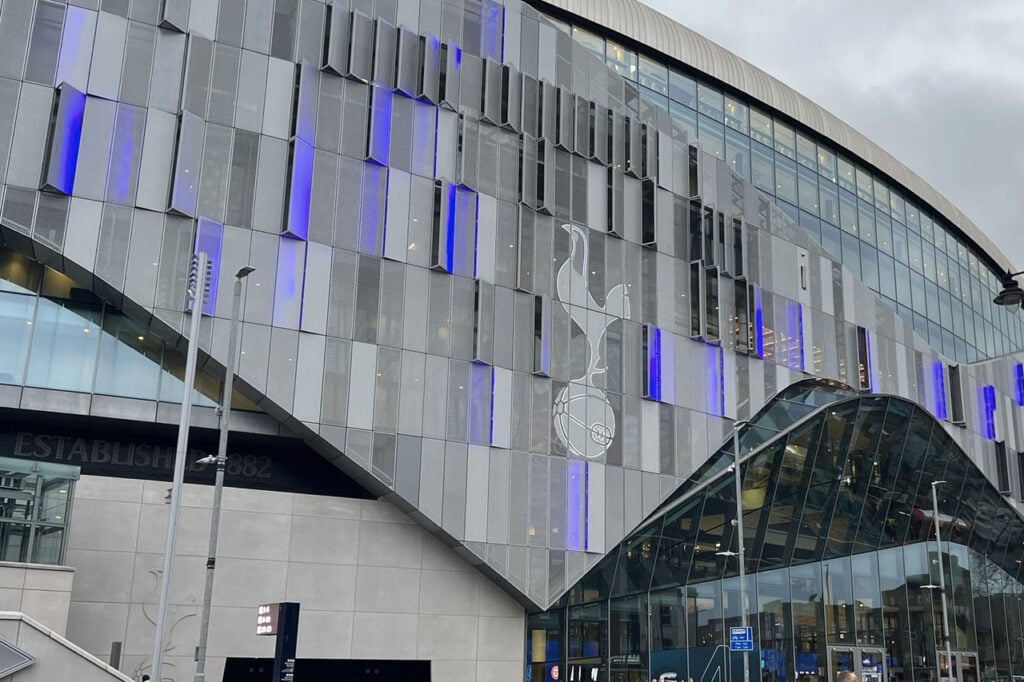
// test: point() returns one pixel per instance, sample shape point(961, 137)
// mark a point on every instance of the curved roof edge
point(649, 27)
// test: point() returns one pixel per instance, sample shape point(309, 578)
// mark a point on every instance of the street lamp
point(736, 426)
point(198, 286)
point(1011, 295)
point(224, 412)
point(942, 579)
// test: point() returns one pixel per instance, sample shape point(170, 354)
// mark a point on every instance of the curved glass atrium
point(56, 334)
point(840, 555)
point(911, 258)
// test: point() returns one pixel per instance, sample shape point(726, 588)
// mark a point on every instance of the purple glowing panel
point(378, 142)
point(209, 240)
point(492, 29)
point(300, 190)
point(291, 268)
point(653, 362)
point(305, 109)
point(988, 411)
point(758, 322)
point(1018, 383)
point(794, 351)
point(126, 154)
point(715, 368)
point(76, 47)
point(66, 138)
point(576, 505)
point(939, 387)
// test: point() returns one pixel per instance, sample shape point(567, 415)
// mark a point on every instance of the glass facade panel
point(843, 566)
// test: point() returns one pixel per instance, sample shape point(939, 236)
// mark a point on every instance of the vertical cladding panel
point(107, 56)
point(335, 384)
point(323, 199)
point(396, 230)
point(258, 20)
point(408, 457)
point(362, 381)
point(308, 377)
point(30, 134)
point(278, 102)
point(202, 18)
point(284, 346)
point(175, 255)
point(188, 159)
point(230, 25)
point(435, 396)
point(126, 154)
point(174, 15)
point(143, 252)
point(453, 510)
point(371, 209)
point(210, 240)
point(338, 38)
point(259, 295)
point(432, 479)
point(165, 88)
point(378, 139)
point(76, 47)
point(224, 84)
point(138, 64)
point(112, 249)
point(15, 24)
point(291, 265)
point(65, 139)
point(44, 47)
point(155, 165)
point(477, 479)
point(270, 185)
point(300, 189)
point(94, 149)
point(498, 488)
point(213, 188)
point(410, 405)
point(306, 109)
point(252, 89)
point(80, 243)
point(316, 288)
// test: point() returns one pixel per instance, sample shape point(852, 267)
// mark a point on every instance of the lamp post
point(198, 284)
point(220, 460)
point(942, 579)
point(740, 548)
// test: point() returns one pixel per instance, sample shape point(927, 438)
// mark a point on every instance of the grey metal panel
point(187, 163)
point(316, 288)
point(278, 103)
point(252, 88)
point(339, 37)
point(165, 89)
point(15, 24)
point(270, 185)
point(174, 15)
point(45, 43)
point(30, 134)
point(477, 483)
point(108, 56)
point(138, 64)
point(80, 242)
point(202, 18)
point(157, 155)
point(143, 252)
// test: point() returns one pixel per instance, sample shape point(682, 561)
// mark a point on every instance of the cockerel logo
point(583, 417)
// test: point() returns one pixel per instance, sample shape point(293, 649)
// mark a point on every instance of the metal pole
point(181, 454)
point(739, 533)
point(224, 413)
point(942, 580)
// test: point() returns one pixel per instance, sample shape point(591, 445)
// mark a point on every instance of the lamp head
point(1011, 295)
point(244, 271)
point(209, 459)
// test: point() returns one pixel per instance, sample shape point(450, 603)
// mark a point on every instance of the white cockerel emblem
point(584, 420)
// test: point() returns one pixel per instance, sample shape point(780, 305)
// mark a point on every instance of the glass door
point(872, 665)
point(965, 667)
point(867, 663)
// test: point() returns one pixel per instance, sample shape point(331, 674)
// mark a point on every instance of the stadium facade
point(520, 269)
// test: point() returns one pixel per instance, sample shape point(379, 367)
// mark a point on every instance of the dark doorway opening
point(332, 669)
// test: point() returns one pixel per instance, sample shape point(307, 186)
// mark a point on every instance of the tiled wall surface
point(370, 581)
point(488, 280)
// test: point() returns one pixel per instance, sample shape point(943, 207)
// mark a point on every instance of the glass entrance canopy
point(840, 555)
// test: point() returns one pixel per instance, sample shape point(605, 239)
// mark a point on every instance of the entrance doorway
point(867, 663)
point(965, 666)
point(335, 670)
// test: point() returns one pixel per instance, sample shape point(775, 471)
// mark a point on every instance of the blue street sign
point(741, 639)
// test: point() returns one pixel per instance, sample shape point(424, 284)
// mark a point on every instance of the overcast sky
point(939, 84)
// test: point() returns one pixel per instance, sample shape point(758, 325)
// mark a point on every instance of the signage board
point(741, 639)
point(266, 619)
